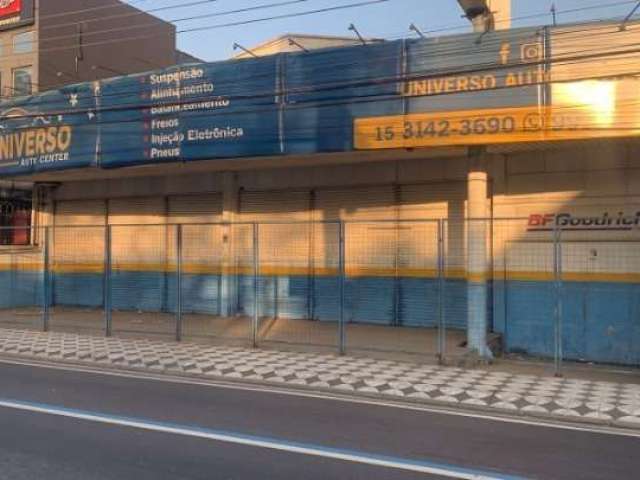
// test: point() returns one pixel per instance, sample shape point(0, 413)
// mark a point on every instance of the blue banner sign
point(193, 112)
point(377, 95)
point(328, 89)
point(54, 130)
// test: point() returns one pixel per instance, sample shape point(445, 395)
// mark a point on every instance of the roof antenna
point(237, 46)
point(623, 25)
point(413, 28)
point(353, 28)
point(292, 42)
point(554, 14)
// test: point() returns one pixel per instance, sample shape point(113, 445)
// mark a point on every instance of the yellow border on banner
point(494, 126)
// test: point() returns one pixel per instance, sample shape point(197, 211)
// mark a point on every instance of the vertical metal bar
point(557, 271)
point(547, 99)
point(256, 273)
point(46, 281)
point(312, 262)
point(107, 281)
point(396, 259)
point(342, 280)
point(442, 333)
point(178, 283)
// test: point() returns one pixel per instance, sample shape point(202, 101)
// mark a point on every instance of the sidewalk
point(575, 400)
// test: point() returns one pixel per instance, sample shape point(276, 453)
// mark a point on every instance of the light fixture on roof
point(413, 28)
point(237, 46)
point(623, 25)
point(353, 28)
point(292, 42)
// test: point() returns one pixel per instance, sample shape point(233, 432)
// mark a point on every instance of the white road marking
point(235, 385)
point(260, 442)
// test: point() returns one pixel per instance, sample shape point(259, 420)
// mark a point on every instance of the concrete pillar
point(477, 253)
point(230, 204)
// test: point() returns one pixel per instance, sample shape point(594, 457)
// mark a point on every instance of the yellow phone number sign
point(484, 127)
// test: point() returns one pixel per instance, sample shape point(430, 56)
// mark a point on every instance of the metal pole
point(557, 270)
point(442, 333)
point(46, 282)
point(107, 281)
point(342, 279)
point(256, 272)
point(178, 283)
point(396, 260)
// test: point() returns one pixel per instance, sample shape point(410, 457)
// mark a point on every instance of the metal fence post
point(442, 332)
point(342, 279)
point(256, 273)
point(46, 288)
point(557, 272)
point(107, 281)
point(178, 283)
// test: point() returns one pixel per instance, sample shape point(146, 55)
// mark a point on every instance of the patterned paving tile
point(506, 392)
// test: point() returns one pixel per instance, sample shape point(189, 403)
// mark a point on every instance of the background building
point(45, 44)
point(294, 42)
point(49, 43)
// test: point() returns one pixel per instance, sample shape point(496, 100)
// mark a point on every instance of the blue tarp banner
point(192, 112)
point(328, 89)
point(465, 72)
point(54, 130)
point(291, 103)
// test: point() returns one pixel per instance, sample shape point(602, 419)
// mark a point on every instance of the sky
point(389, 19)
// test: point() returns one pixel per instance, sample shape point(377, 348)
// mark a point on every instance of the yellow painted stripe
point(351, 272)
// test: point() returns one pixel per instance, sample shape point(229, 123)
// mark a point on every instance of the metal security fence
point(429, 288)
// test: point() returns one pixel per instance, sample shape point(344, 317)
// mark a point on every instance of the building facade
point(46, 44)
point(404, 187)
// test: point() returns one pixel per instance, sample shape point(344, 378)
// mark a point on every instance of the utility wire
point(211, 27)
point(324, 87)
point(139, 26)
point(259, 20)
point(478, 68)
point(301, 104)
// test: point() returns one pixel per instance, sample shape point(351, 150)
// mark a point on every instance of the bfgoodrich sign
point(618, 221)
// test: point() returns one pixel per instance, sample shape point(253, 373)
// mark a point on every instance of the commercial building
point(47, 44)
point(466, 185)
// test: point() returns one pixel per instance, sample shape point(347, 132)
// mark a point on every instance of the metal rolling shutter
point(140, 256)
point(195, 208)
point(80, 212)
point(433, 201)
point(369, 251)
point(418, 253)
point(285, 251)
point(137, 211)
point(78, 252)
point(202, 249)
point(361, 203)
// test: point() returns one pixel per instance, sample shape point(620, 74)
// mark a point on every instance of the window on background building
point(22, 81)
point(15, 217)
point(23, 42)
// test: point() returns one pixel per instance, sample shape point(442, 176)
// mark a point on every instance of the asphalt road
point(63, 424)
